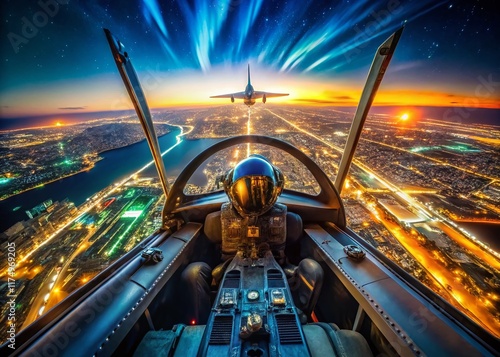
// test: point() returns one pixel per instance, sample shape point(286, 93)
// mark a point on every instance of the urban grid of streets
point(410, 185)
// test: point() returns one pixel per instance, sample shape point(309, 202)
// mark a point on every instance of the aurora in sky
point(55, 59)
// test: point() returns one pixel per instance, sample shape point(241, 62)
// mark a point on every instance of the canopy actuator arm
point(375, 75)
point(131, 81)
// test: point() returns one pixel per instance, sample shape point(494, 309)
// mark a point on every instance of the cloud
point(406, 66)
point(335, 94)
point(328, 97)
point(72, 108)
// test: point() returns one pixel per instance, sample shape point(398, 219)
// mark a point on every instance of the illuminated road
point(57, 294)
point(448, 280)
point(38, 302)
point(98, 198)
point(53, 281)
point(490, 255)
point(53, 287)
point(467, 244)
point(466, 131)
point(474, 308)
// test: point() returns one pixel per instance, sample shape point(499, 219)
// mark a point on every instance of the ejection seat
point(305, 280)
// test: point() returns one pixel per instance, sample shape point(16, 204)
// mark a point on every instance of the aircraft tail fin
point(249, 73)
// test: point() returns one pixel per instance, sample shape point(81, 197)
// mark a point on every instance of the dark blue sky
point(54, 57)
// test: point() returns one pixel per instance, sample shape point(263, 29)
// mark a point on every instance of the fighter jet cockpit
point(256, 289)
point(247, 264)
point(255, 284)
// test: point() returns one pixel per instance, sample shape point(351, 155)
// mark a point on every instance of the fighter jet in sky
point(250, 95)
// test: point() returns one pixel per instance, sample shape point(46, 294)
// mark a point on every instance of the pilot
point(251, 223)
point(252, 220)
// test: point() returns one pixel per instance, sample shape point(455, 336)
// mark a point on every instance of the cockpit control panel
point(254, 314)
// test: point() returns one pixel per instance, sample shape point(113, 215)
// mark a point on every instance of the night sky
point(55, 58)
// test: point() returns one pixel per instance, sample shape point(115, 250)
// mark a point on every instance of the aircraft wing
point(259, 94)
point(238, 95)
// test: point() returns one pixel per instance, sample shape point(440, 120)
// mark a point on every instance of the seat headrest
point(294, 228)
point(213, 227)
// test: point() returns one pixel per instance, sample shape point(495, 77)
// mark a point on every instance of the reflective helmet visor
point(253, 195)
point(253, 186)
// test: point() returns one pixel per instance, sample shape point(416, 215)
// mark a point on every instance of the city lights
point(398, 199)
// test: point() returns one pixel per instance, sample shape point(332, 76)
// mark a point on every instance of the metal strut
point(134, 89)
point(375, 75)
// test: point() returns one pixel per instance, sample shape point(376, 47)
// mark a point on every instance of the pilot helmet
point(253, 186)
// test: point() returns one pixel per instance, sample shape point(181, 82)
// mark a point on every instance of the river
point(115, 166)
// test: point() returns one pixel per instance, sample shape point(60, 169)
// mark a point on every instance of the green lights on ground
point(457, 147)
point(65, 162)
point(109, 252)
point(4, 180)
point(132, 214)
point(461, 148)
point(135, 210)
point(424, 148)
point(130, 193)
point(102, 217)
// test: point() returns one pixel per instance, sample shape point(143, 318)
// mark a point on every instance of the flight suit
point(251, 236)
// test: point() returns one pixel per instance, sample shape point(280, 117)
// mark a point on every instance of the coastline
point(136, 142)
point(99, 158)
point(53, 180)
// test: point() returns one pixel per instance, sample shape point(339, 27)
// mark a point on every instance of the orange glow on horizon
point(434, 99)
point(310, 95)
point(193, 89)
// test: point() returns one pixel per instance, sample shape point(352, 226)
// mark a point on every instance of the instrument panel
point(253, 313)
